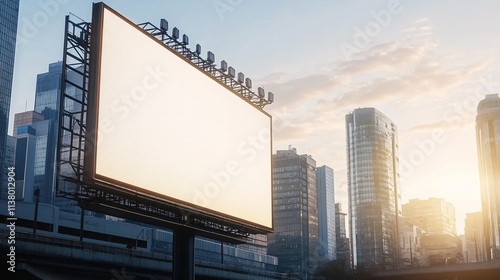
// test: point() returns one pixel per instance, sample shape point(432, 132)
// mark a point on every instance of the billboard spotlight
point(248, 83)
point(231, 72)
point(185, 40)
point(175, 33)
point(210, 57)
point(261, 92)
point(198, 49)
point(270, 97)
point(223, 66)
point(163, 25)
point(241, 78)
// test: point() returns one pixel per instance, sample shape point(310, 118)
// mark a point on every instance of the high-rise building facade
point(48, 88)
point(341, 239)
point(295, 237)
point(326, 212)
point(31, 130)
point(488, 150)
point(9, 11)
point(474, 238)
point(374, 195)
point(433, 215)
point(47, 101)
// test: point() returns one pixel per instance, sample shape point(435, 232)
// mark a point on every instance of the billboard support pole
point(183, 255)
point(82, 223)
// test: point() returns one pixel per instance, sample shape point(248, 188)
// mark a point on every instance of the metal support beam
point(183, 255)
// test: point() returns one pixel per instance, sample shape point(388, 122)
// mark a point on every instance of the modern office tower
point(374, 195)
point(295, 237)
point(488, 147)
point(326, 212)
point(9, 11)
point(343, 251)
point(48, 88)
point(32, 127)
point(26, 118)
point(47, 101)
point(25, 163)
point(434, 215)
point(474, 238)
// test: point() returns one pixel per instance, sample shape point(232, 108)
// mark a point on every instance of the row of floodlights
point(231, 72)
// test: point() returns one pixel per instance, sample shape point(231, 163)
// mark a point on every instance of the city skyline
point(424, 65)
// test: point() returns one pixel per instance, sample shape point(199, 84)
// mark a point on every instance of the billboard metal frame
point(73, 134)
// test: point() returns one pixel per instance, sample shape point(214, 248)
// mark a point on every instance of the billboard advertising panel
point(162, 127)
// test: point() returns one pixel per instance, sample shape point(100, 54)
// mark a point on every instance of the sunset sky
point(424, 64)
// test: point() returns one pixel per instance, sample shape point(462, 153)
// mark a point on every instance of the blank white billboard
point(164, 127)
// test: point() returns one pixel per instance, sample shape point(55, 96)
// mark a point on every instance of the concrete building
point(374, 195)
point(475, 245)
point(488, 145)
point(440, 244)
point(440, 249)
point(434, 215)
point(295, 238)
point(411, 251)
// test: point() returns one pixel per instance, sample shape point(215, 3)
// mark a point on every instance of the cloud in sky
point(417, 82)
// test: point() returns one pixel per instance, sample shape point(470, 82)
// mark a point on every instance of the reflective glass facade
point(9, 10)
point(295, 237)
point(374, 197)
point(326, 212)
point(341, 239)
point(488, 150)
point(48, 88)
point(47, 99)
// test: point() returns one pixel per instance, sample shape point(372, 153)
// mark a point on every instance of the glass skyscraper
point(295, 237)
point(326, 212)
point(47, 99)
point(488, 150)
point(374, 196)
point(9, 11)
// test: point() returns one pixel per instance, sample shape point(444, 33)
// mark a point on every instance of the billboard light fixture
point(164, 25)
point(248, 83)
point(175, 33)
point(261, 92)
point(210, 57)
point(185, 40)
point(198, 49)
point(270, 97)
point(223, 66)
point(231, 72)
point(241, 78)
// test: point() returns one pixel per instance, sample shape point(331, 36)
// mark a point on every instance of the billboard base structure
point(129, 205)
